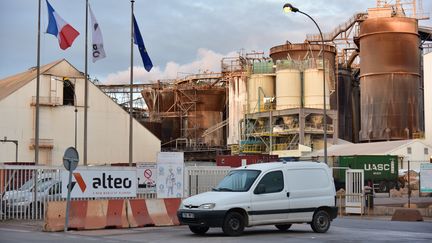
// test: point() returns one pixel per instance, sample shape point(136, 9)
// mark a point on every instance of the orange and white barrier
point(158, 212)
point(100, 214)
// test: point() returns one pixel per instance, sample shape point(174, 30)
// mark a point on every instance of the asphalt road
point(342, 230)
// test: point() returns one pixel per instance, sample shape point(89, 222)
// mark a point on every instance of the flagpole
point(36, 148)
point(37, 88)
point(130, 88)
point(85, 86)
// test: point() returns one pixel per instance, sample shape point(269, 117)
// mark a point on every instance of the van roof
point(275, 165)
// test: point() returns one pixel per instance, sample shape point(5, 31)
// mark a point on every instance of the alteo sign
point(100, 184)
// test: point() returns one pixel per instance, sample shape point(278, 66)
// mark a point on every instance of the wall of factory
point(427, 69)
point(108, 127)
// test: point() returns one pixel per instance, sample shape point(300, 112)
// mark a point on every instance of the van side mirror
point(260, 189)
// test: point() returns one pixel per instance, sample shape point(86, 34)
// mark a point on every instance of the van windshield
point(238, 181)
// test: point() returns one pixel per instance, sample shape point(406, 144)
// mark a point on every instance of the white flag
point(98, 51)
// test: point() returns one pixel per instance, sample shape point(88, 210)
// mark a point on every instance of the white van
point(275, 193)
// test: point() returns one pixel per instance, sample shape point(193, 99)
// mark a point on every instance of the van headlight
point(207, 206)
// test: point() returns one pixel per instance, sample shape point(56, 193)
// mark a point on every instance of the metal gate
point(20, 199)
point(354, 185)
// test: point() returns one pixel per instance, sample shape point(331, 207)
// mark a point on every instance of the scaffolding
point(120, 93)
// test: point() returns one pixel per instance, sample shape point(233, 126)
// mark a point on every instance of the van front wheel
point(199, 230)
point(233, 224)
point(320, 222)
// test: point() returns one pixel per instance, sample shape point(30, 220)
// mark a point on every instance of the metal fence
point(200, 179)
point(20, 200)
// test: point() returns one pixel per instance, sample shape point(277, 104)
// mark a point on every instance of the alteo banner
point(100, 184)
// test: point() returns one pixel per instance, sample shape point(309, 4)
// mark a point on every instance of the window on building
point(68, 92)
point(409, 150)
point(426, 151)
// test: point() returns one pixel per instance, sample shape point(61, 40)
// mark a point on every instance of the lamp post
point(290, 8)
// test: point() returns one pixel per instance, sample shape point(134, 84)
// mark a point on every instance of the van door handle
point(287, 194)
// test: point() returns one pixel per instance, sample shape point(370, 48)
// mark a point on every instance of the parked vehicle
point(22, 200)
point(273, 193)
point(380, 171)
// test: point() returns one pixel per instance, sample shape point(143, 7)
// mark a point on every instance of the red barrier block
point(77, 214)
point(138, 214)
point(116, 215)
point(172, 205)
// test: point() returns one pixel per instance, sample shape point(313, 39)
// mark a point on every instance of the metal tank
point(305, 51)
point(313, 89)
point(258, 87)
point(288, 89)
point(345, 103)
point(161, 100)
point(210, 104)
point(187, 111)
point(389, 78)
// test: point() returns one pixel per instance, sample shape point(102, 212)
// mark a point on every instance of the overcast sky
point(181, 36)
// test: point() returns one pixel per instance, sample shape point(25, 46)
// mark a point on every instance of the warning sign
point(146, 174)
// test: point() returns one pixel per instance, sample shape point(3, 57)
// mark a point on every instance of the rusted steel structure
point(390, 78)
point(188, 110)
point(302, 51)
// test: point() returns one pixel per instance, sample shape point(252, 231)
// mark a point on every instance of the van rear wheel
point(320, 222)
point(199, 230)
point(233, 224)
point(283, 227)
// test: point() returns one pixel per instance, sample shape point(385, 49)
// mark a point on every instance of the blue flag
point(138, 40)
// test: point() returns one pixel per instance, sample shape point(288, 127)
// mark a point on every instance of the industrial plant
point(373, 90)
point(369, 88)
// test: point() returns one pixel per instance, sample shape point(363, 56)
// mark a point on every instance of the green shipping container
point(376, 167)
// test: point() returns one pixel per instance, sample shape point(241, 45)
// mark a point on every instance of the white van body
point(279, 193)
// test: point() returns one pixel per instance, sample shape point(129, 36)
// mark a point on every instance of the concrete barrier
point(158, 212)
point(55, 216)
point(101, 214)
point(406, 214)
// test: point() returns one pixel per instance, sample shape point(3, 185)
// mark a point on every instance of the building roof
point(276, 165)
point(376, 148)
point(13, 83)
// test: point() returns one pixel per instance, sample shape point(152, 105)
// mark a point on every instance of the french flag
point(64, 32)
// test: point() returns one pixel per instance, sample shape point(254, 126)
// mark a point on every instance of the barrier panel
point(118, 213)
point(157, 212)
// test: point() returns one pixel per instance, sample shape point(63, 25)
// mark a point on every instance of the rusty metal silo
point(345, 104)
point(186, 111)
point(389, 78)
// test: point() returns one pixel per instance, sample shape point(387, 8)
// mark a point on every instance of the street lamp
point(290, 8)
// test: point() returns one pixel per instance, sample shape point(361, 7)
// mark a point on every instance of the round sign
point(70, 159)
point(148, 173)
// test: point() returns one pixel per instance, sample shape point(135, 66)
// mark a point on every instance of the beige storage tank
point(288, 89)
point(258, 87)
point(313, 89)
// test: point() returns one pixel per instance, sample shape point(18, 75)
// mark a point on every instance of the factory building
point(374, 89)
point(61, 93)
point(370, 86)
